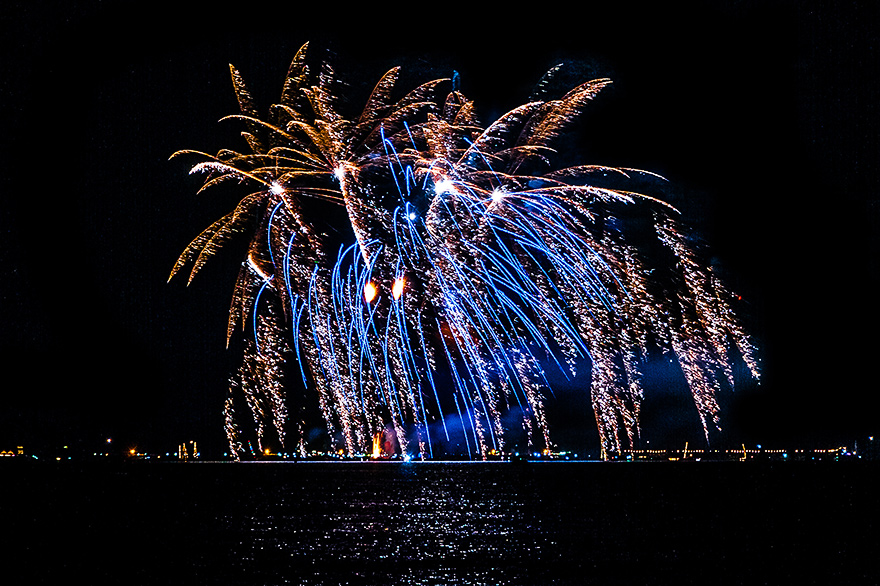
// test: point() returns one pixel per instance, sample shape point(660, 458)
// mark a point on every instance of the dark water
point(432, 524)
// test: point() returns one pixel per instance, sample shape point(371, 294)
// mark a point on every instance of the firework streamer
point(471, 263)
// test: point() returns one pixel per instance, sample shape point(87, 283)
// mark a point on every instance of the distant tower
point(188, 451)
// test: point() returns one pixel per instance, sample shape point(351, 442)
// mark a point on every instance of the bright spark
point(397, 288)
point(444, 186)
point(370, 292)
point(256, 268)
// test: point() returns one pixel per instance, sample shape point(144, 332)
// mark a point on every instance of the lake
point(378, 523)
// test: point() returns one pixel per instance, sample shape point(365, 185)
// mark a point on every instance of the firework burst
point(473, 265)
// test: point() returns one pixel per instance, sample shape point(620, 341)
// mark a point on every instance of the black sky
point(763, 116)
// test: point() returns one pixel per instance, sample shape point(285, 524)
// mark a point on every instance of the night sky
point(762, 115)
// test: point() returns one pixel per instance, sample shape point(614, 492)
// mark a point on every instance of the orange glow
point(370, 292)
point(397, 288)
point(377, 445)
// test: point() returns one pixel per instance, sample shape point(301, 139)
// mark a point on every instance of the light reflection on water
point(377, 523)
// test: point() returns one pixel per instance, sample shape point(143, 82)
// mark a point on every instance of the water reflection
point(390, 523)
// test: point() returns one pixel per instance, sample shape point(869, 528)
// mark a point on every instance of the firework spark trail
point(466, 264)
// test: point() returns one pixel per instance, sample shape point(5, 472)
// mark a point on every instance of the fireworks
point(472, 266)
